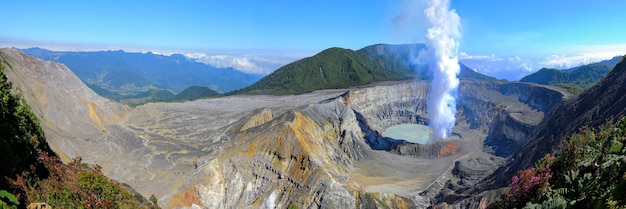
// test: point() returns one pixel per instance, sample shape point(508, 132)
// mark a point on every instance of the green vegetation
point(575, 80)
point(342, 68)
point(8, 200)
point(21, 137)
point(151, 95)
point(589, 172)
point(196, 92)
point(398, 59)
point(572, 88)
point(32, 173)
point(158, 95)
point(77, 185)
point(331, 68)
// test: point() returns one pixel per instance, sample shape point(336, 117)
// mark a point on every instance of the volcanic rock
point(317, 150)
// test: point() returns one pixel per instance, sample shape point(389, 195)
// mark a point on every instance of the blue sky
point(506, 39)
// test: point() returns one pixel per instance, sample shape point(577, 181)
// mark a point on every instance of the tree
point(21, 137)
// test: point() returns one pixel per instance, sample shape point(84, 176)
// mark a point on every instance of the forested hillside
point(342, 68)
point(576, 79)
point(331, 68)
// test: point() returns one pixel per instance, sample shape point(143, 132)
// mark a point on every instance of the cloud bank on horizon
point(262, 64)
point(513, 68)
point(523, 36)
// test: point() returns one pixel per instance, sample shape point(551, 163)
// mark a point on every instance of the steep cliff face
point(302, 158)
point(603, 102)
point(322, 149)
point(62, 102)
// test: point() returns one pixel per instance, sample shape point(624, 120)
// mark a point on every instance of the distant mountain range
point(119, 74)
point(137, 78)
point(575, 79)
point(342, 68)
point(307, 150)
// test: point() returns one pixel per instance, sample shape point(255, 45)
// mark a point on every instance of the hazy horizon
point(501, 39)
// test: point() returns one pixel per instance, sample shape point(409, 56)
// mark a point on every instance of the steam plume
point(442, 50)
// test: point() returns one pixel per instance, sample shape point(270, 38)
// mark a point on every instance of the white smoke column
point(442, 50)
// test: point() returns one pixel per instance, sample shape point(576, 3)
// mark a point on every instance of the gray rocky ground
point(321, 149)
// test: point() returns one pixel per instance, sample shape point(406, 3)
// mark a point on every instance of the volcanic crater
point(320, 149)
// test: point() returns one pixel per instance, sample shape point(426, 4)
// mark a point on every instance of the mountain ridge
point(577, 78)
point(130, 73)
point(309, 149)
point(341, 68)
point(603, 102)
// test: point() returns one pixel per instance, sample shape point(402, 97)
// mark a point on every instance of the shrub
point(77, 185)
point(11, 200)
point(590, 172)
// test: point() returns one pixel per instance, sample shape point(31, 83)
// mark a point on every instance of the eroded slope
point(321, 149)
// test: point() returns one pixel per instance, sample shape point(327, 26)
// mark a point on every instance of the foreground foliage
point(77, 185)
point(20, 139)
point(590, 172)
point(32, 173)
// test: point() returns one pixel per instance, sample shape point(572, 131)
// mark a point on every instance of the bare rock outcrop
point(317, 150)
point(63, 103)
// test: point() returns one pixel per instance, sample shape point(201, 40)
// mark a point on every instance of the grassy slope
point(341, 68)
point(331, 68)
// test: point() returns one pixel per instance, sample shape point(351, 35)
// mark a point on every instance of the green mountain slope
point(331, 68)
point(343, 68)
point(575, 79)
point(195, 92)
point(397, 58)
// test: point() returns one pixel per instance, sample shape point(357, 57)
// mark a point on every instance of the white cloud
point(565, 62)
point(195, 55)
point(492, 57)
point(510, 68)
point(516, 67)
point(242, 63)
point(255, 64)
point(248, 61)
point(581, 55)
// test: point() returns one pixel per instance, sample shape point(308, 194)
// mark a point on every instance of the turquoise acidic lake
point(415, 133)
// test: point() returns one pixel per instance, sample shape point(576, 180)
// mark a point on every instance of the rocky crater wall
point(274, 151)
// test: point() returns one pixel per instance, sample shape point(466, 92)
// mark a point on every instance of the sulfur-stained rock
point(317, 150)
